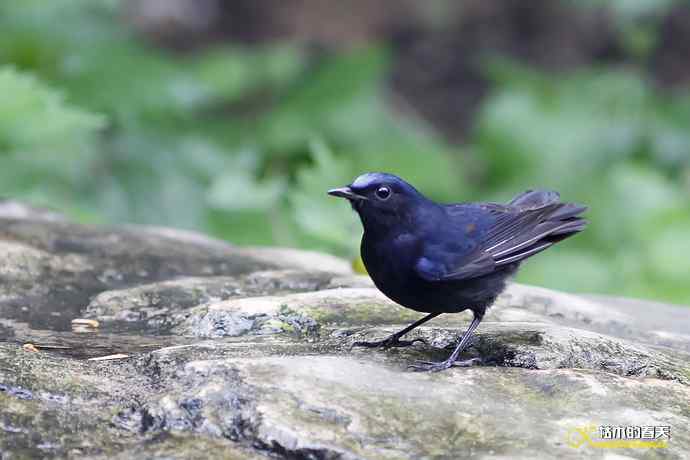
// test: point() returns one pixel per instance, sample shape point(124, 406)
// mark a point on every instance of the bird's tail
point(563, 217)
point(546, 222)
point(534, 199)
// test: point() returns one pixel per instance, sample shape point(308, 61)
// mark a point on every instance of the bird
point(439, 258)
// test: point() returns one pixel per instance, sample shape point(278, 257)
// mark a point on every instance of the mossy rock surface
point(246, 353)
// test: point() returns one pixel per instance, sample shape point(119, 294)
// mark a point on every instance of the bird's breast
point(390, 264)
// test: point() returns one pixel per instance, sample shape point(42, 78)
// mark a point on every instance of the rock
point(55, 268)
point(18, 210)
point(650, 322)
point(246, 353)
point(160, 306)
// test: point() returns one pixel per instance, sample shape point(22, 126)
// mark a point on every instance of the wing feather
point(529, 224)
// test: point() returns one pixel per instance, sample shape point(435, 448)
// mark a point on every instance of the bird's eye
point(383, 193)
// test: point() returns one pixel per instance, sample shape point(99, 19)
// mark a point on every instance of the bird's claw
point(390, 342)
point(430, 366)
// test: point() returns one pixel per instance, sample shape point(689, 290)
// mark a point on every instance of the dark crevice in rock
point(302, 453)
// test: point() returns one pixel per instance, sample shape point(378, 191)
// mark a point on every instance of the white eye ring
point(383, 193)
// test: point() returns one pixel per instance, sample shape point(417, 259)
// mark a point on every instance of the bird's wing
point(504, 234)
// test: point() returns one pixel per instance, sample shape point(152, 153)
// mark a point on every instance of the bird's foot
point(430, 366)
point(389, 342)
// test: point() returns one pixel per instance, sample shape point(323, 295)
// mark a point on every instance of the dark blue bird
point(447, 258)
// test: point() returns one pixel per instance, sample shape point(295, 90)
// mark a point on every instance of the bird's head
point(381, 200)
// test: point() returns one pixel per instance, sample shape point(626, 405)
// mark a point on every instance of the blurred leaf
point(328, 220)
point(35, 118)
point(47, 146)
point(669, 252)
point(236, 187)
point(327, 102)
point(568, 270)
point(232, 73)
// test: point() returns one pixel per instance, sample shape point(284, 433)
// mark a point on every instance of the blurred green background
point(234, 117)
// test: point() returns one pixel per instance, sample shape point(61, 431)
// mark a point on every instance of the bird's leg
point(394, 340)
point(452, 360)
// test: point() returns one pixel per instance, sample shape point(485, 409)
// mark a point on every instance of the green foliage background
point(243, 142)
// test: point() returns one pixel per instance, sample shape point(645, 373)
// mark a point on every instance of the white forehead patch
point(368, 179)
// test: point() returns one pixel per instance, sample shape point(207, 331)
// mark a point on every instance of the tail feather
point(534, 199)
point(567, 210)
point(545, 222)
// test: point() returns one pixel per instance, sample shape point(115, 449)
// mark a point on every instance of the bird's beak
point(346, 192)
